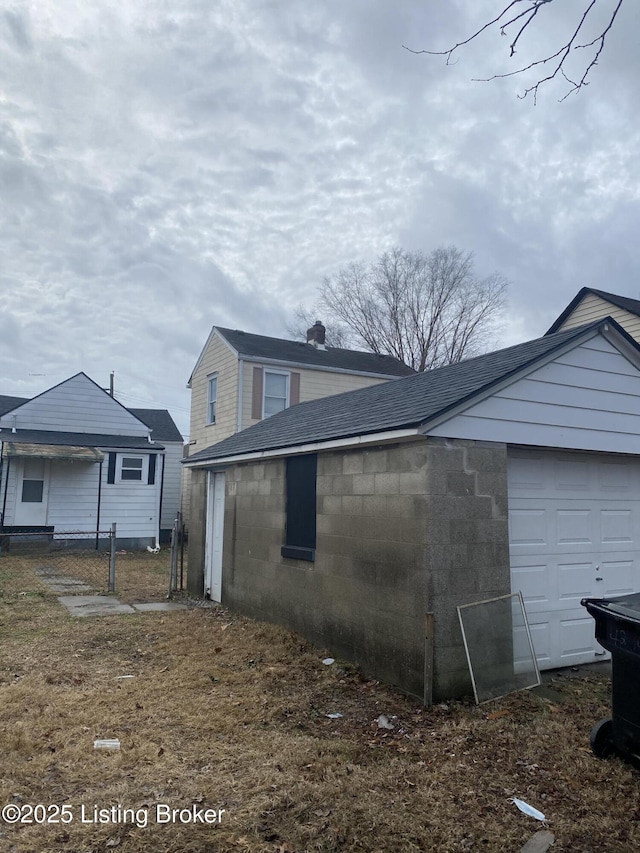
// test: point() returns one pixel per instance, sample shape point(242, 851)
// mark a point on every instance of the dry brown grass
point(224, 712)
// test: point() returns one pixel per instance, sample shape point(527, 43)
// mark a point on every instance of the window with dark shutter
point(300, 533)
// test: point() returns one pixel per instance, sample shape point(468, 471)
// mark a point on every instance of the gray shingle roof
point(78, 439)
point(402, 403)
point(298, 352)
point(8, 403)
point(159, 422)
point(624, 302)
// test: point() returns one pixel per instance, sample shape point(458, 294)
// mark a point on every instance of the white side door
point(33, 492)
point(214, 534)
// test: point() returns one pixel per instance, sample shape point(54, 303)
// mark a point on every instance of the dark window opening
point(300, 532)
point(32, 491)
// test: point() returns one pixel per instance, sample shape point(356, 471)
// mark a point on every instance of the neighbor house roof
point(78, 439)
point(410, 402)
point(299, 353)
point(159, 421)
point(624, 302)
point(7, 403)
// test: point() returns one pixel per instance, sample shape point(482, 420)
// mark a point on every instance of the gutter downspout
point(99, 501)
point(160, 502)
point(6, 485)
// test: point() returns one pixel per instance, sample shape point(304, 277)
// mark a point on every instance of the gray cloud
point(168, 166)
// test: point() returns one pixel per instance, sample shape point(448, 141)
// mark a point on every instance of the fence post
point(112, 559)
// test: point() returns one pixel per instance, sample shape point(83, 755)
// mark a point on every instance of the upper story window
point(212, 399)
point(276, 392)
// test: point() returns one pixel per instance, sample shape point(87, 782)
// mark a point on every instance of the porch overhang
point(63, 453)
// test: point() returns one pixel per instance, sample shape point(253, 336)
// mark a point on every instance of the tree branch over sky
point(518, 19)
point(427, 310)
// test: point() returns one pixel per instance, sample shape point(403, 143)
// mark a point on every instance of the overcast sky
point(168, 165)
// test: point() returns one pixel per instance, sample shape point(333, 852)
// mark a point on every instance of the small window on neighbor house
point(131, 468)
point(32, 491)
point(212, 399)
point(300, 531)
point(127, 468)
point(32, 481)
point(276, 392)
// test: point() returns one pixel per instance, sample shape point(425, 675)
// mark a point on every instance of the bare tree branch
point(523, 20)
point(426, 310)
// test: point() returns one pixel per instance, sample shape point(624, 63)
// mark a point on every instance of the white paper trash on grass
point(106, 743)
point(525, 808)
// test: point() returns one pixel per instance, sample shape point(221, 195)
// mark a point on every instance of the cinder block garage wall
point(402, 530)
point(467, 545)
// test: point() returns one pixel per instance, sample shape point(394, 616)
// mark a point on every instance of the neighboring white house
point(75, 459)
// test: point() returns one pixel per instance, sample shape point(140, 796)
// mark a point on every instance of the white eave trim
point(388, 437)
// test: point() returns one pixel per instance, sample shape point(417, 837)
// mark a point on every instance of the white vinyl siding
point(593, 308)
point(131, 504)
point(73, 499)
point(586, 399)
point(171, 482)
point(77, 405)
point(218, 359)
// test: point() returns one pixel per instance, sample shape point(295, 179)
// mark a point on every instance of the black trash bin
point(618, 631)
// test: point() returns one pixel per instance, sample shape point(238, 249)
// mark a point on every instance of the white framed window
point(131, 468)
point(276, 392)
point(212, 398)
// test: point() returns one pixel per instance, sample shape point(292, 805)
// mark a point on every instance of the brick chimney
point(315, 335)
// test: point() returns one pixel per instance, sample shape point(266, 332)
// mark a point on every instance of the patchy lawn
point(226, 713)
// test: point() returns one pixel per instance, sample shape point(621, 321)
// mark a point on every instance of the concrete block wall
point(401, 531)
point(467, 550)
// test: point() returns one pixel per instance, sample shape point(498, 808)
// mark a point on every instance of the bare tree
point(427, 310)
point(514, 21)
point(337, 334)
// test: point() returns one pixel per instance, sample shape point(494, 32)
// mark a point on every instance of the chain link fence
point(70, 563)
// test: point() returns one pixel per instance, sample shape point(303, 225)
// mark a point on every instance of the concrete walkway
point(94, 605)
point(104, 605)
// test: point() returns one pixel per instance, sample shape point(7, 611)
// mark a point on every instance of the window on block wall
point(300, 512)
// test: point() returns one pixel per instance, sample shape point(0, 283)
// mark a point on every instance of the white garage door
point(574, 532)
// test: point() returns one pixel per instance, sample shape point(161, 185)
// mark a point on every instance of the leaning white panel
point(498, 645)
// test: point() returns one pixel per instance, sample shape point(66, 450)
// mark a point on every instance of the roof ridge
point(409, 402)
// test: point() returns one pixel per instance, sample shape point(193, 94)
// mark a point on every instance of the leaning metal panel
point(498, 644)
